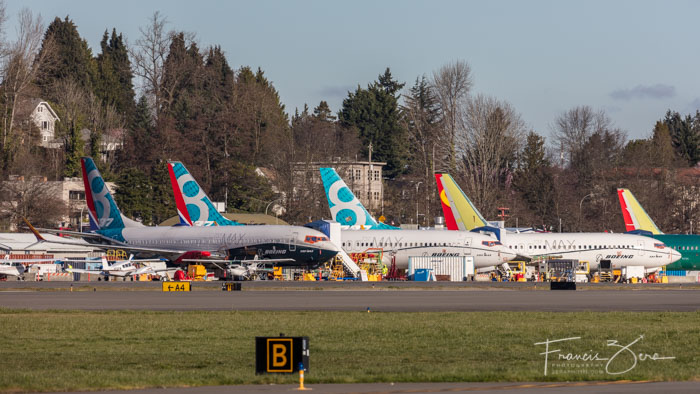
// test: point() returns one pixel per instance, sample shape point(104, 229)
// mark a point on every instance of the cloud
point(694, 106)
point(336, 91)
point(658, 91)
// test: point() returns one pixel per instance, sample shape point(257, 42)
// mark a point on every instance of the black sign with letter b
point(281, 354)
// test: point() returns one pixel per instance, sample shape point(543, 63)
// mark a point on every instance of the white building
point(44, 117)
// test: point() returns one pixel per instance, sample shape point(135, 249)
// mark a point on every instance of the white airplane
point(15, 267)
point(400, 244)
point(124, 268)
point(112, 230)
point(621, 249)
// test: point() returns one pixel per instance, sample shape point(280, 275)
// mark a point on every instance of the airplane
point(124, 268)
point(637, 220)
point(400, 244)
point(620, 249)
point(16, 267)
point(294, 245)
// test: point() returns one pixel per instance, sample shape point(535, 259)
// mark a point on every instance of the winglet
point(38, 236)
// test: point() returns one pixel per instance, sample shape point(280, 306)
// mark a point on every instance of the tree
point(149, 55)
point(375, 114)
point(74, 59)
point(573, 128)
point(22, 63)
point(421, 117)
point(488, 146)
point(452, 84)
point(534, 180)
point(115, 85)
point(38, 201)
point(685, 135)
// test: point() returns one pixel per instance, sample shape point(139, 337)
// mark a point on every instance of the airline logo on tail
point(346, 209)
point(456, 205)
point(102, 209)
point(193, 205)
point(446, 208)
point(635, 216)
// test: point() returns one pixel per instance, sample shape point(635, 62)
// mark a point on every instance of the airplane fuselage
point(402, 244)
point(621, 249)
point(306, 246)
point(688, 245)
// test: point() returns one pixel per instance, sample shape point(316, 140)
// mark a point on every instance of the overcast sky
point(634, 59)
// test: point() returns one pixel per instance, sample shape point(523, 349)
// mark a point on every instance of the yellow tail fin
point(635, 216)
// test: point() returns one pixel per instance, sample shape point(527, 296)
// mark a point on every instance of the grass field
point(75, 350)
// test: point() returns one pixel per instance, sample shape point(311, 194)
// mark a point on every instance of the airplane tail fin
point(193, 205)
point(346, 209)
point(102, 210)
point(463, 212)
point(635, 216)
point(446, 209)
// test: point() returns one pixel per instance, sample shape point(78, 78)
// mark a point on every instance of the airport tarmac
point(621, 387)
point(378, 300)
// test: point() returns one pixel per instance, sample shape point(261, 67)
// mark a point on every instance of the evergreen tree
point(73, 61)
point(685, 136)
point(374, 112)
point(115, 85)
point(322, 112)
point(534, 180)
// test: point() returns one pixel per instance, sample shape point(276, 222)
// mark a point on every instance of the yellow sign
point(176, 286)
point(382, 219)
point(279, 355)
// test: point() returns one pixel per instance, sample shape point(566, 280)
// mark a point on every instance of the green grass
point(76, 350)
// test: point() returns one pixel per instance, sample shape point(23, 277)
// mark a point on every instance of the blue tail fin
point(103, 211)
point(193, 205)
point(346, 209)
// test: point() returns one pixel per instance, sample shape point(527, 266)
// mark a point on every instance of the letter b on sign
point(279, 355)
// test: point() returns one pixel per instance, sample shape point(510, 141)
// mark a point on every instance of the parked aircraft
point(637, 220)
point(402, 244)
point(125, 268)
point(292, 244)
point(620, 249)
point(15, 267)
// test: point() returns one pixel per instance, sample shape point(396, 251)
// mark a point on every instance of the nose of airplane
point(507, 254)
point(327, 251)
point(675, 255)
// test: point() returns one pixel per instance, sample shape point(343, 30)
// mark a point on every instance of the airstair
point(349, 264)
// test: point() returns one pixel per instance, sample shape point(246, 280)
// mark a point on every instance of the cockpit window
point(490, 243)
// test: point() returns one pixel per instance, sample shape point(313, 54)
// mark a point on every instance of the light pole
point(580, 205)
point(80, 220)
point(417, 199)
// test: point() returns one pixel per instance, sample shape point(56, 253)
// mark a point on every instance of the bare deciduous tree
point(573, 128)
point(148, 56)
point(488, 145)
point(452, 84)
point(22, 62)
point(38, 201)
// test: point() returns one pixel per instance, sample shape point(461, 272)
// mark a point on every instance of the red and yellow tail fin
point(635, 216)
point(464, 213)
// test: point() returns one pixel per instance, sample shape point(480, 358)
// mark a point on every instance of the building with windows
point(364, 178)
point(44, 117)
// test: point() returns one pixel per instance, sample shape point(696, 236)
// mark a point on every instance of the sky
point(633, 59)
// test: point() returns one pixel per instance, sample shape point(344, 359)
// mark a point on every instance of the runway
point(378, 300)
